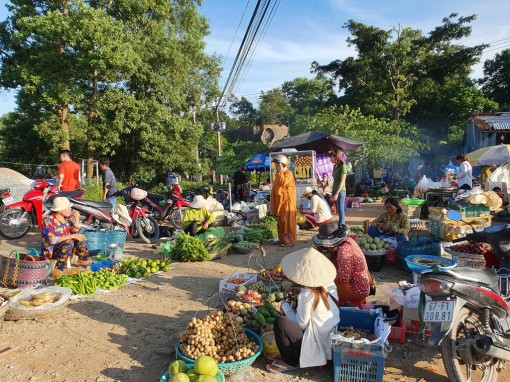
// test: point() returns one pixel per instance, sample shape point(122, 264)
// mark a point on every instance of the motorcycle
point(18, 217)
point(162, 207)
point(469, 317)
point(5, 198)
point(137, 220)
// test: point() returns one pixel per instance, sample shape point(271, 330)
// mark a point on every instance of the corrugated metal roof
point(496, 122)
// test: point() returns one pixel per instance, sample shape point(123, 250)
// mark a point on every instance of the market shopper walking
point(68, 172)
point(283, 201)
point(240, 181)
point(302, 335)
point(339, 189)
point(109, 182)
point(465, 173)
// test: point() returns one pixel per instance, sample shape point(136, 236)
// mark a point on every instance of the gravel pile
point(18, 183)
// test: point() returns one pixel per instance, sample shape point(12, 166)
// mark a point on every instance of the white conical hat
point(308, 267)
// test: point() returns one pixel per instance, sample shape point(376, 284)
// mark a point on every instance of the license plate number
point(438, 311)
point(8, 200)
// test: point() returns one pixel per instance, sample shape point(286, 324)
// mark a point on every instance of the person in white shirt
point(302, 335)
point(465, 173)
point(319, 212)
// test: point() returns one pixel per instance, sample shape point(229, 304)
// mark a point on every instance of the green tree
point(386, 140)
point(244, 112)
point(308, 96)
point(496, 80)
point(125, 72)
point(274, 108)
point(393, 65)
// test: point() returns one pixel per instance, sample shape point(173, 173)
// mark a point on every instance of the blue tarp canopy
point(259, 162)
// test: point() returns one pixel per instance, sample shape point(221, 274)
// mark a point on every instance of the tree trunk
point(64, 126)
point(91, 125)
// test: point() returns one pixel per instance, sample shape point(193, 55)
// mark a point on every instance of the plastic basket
point(353, 365)
point(219, 376)
point(413, 202)
point(417, 246)
point(100, 240)
point(418, 268)
point(230, 367)
point(96, 266)
point(398, 332)
point(472, 210)
point(413, 212)
point(374, 263)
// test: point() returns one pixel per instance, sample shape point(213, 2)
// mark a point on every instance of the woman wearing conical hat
point(302, 335)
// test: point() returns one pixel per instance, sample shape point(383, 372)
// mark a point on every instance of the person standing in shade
point(465, 173)
point(68, 172)
point(339, 189)
point(109, 182)
point(283, 201)
point(240, 179)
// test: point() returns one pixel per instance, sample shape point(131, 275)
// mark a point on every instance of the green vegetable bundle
point(86, 283)
point(271, 223)
point(258, 235)
point(189, 248)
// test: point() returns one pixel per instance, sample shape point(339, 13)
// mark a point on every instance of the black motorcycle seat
point(66, 194)
point(486, 276)
point(93, 203)
point(155, 197)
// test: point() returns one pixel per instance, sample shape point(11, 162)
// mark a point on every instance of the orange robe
point(283, 205)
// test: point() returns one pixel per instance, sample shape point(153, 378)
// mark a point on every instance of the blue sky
point(303, 31)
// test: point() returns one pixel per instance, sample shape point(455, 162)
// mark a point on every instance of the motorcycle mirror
point(454, 215)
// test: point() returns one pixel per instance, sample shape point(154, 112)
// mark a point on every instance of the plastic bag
point(27, 294)
point(270, 350)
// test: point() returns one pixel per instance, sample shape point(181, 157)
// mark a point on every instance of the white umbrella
point(496, 155)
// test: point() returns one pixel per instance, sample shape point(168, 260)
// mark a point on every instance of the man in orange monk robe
point(283, 201)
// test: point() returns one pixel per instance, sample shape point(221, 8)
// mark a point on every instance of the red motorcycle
point(18, 217)
point(136, 219)
point(162, 207)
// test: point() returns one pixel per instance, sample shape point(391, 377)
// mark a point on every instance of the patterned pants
point(66, 249)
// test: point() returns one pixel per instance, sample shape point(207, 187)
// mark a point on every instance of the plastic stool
point(355, 205)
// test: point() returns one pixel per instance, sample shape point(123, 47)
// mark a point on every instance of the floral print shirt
point(398, 223)
point(52, 229)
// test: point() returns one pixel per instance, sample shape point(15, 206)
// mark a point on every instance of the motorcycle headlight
point(433, 287)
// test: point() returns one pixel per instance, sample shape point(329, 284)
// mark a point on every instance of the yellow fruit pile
point(218, 336)
point(205, 369)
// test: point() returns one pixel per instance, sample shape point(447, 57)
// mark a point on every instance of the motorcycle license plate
point(8, 200)
point(438, 311)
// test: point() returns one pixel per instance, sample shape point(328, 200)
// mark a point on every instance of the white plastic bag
point(27, 294)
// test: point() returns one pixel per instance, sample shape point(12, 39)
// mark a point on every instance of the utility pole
point(199, 165)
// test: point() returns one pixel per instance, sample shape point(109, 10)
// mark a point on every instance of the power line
point(235, 34)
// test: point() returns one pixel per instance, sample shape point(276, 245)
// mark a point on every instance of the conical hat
point(308, 267)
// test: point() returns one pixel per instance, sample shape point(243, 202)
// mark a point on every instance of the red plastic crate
point(398, 333)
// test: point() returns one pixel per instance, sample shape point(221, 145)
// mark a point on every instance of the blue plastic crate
point(360, 362)
point(354, 365)
point(100, 240)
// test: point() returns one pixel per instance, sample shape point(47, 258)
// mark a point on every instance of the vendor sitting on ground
point(353, 280)
point(392, 223)
point(319, 212)
point(503, 196)
point(197, 218)
point(60, 235)
point(302, 334)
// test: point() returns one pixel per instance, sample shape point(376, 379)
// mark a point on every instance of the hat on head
point(198, 202)
point(280, 158)
point(308, 191)
point(60, 204)
point(330, 234)
point(308, 267)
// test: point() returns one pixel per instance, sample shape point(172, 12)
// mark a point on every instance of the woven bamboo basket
point(19, 314)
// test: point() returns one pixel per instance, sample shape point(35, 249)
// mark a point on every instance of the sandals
point(275, 367)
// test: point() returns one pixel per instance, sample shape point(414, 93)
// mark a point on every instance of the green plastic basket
point(472, 211)
point(413, 202)
point(230, 367)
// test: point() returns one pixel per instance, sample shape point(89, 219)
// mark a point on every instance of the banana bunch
point(39, 299)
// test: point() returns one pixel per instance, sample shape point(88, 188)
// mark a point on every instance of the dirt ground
point(129, 334)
